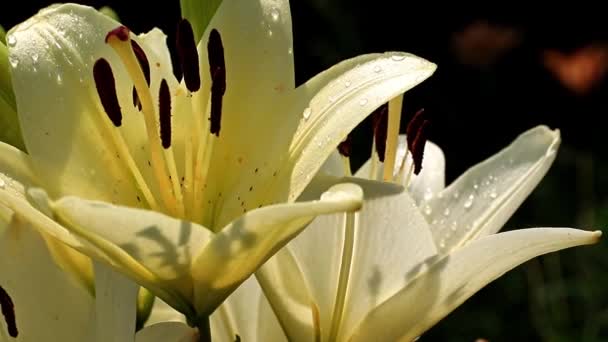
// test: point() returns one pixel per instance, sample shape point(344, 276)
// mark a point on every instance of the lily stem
point(204, 330)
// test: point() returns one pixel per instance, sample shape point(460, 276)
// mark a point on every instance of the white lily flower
point(161, 179)
point(409, 258)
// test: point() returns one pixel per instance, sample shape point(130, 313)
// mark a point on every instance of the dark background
point(501, 70)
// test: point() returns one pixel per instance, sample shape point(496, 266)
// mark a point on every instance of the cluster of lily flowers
point(221, 206)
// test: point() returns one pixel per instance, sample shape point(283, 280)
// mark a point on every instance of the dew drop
point(456, 195)
point(475, 186)
point(290, 51)
point(270, 33)
point(347, 84)
point(13, 61)
point(11, 40)
point(398, 58)
point(428, 194)
point(377, 69)
point(453, 226)
point(493, 193)
point(446, 212)
point(428, 210)
point(274, 14)
point(2, 183)
point(35, 58)
point(59, 79)
point(442, 244)
point(469, 202)
point(362, 102)
point(307, 113)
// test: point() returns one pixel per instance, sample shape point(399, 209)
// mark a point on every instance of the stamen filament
point(392, 136)
point(125, 52)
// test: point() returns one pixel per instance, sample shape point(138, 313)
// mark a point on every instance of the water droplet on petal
point(13, 61)
point(469, 202)
point(347, 84)
point(11, 40)
point(398, 58)
point(274, 14)
point(442, 244)
point(446, 212)
point(456, 195)
point(59, 79)
point(377, 69)
point(453, 226)
point(475, 186)
point(35, 58)
point(307, 113)
point(428, 210)
point(428, 194)
point(363, 102)
point(493, 193)
point(2, 183)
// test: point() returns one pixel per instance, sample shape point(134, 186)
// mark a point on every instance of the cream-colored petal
point(49, 304)
point(115, 305)
point(66, 130)
point(164, 245)
point(330, 112)
point(240, 248)
point(481, 200)
point(167, 332)
point(162, 312)
point(239, 314)
point(16, 166)
point(447, 282)
point(392, 243)
point(258, 50)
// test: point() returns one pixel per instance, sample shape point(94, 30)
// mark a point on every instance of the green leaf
point(199, 13)
point(10, 132)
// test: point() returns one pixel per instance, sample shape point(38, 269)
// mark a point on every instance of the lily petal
point(61, 309)
point(65, 128)
point(450, 280)
point(482, 199)
point(240, 248)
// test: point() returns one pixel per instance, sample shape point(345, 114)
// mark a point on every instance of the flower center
point(174, 188)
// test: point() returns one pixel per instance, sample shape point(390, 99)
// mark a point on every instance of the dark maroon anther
point(217, 68)
point(188, 55)
point(413, 126)
point(106, 89)
point(346, 147)
point(8, 311)
point(418, 146)
point(380, 125)
point(142, 59)
point(164, 111)
point(121, 32)
point(136, 101)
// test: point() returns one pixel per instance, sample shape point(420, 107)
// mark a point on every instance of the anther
point(413, 127)
point(217, 68)
point(418, 146)
point(121, 32)
point(164, 112)
point(106, 89)
point(346, 147)
point(8, 311)
point(142, 59)
point(188, 55)
point(380, 123)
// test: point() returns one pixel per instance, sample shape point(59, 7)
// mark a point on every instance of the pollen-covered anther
point(413, 127)
point(106, 89)
point(188, 55)
point(380, 125)
point(164, 112)
point(217, 69)
point(346, 147)
point(8, 311)
point(418, 146)
point(120, 33)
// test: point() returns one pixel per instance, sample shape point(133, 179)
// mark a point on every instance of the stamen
point(217, 68)
point(379, 123)
point(346, 147)
point(8, 311)
point(164, 114)
point(418, 146)
point(142, 59)
point(188, 55)
point(106, 89)
point(392, 136)
point(413, 127)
